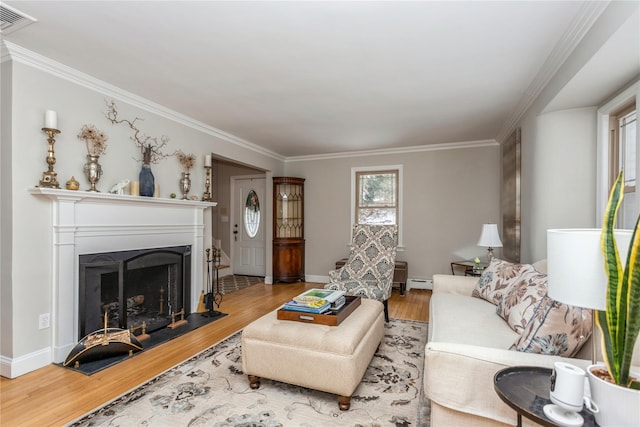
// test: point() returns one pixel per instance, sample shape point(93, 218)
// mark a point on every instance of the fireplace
point(85, 223)
point(134, 288)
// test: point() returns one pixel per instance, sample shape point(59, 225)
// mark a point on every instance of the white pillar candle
point(134, 188)
point(50, 119)
point(207, 160)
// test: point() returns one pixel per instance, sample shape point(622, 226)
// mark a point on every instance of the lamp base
point(562, 416)
point(489, 254)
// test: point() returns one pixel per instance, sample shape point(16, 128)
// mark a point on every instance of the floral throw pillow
point(521, 299)
point(496, 279)
point(555, 329)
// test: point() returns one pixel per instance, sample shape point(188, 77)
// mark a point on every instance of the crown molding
point(400, 150)
point(47, 65)
point(19, 54)
point(574, 34)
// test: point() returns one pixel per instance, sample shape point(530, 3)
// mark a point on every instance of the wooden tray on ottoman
point(329, 319)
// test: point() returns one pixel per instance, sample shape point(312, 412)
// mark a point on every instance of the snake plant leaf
point(620, 322)
point(632, 306)
point(607, 321)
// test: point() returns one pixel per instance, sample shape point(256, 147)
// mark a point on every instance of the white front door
point(248, 237)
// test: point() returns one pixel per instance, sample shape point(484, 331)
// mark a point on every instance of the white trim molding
point(47, 65)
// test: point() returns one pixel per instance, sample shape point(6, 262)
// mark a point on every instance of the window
point(622, 155)
point(377, 197)
point(252, 214)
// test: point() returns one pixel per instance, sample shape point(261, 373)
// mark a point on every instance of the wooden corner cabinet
point(288, 229)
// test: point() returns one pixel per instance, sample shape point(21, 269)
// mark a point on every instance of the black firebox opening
point(134, 287)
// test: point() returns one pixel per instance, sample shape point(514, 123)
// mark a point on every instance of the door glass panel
point(252, 214)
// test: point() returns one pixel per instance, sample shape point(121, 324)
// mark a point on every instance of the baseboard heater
point(419, 283)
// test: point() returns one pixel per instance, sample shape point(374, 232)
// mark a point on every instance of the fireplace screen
point(134, 287)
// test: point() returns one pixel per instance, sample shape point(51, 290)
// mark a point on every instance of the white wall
point(26, 220)
point(225, 171)
point(448, 195)
point(6, 294)
point(559, 147)
point(563, 191)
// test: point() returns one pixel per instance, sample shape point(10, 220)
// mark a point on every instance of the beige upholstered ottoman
point(326, 358)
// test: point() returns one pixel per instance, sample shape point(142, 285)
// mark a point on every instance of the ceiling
point(311, 78)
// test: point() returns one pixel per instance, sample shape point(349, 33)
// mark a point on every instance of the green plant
point(620, 322)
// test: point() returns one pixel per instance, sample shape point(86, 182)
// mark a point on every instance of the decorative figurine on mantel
point(96, 142)
point(150, 149)
point(187, 162)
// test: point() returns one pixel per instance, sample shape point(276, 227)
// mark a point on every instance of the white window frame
point(631, 94)
point(400, 196)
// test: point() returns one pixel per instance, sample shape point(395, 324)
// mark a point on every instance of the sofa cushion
point(521, 299)
point(556, 329)
point(463, 320)
point(497, 277)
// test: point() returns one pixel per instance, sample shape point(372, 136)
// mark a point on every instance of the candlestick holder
point(206, 197)
point(50, 177)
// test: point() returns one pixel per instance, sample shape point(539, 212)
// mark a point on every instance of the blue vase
point(147, 181)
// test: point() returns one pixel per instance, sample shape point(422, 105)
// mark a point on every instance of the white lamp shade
point(575, 266)
point(490, 237)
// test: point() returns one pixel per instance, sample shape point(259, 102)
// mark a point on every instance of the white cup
point(567, 388)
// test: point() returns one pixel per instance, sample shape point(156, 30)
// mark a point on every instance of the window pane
point(628, 142)
point(377, 216)
point(377, 189)
point(252, 214)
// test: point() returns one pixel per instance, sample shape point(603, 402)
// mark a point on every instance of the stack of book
point(316, 301)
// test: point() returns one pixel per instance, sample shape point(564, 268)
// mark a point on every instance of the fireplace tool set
point(213, 297)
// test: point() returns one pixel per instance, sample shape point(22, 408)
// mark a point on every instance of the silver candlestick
point(206, 197)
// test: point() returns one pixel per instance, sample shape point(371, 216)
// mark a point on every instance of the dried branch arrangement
point(187, 161)
point(150, 147)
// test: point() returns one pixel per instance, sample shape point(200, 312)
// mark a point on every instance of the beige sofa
point(467, 344)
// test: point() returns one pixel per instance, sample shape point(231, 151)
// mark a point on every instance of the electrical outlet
point(44, 321)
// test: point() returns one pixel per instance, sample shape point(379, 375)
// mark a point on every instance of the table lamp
point(489, 238)
point(576, 276)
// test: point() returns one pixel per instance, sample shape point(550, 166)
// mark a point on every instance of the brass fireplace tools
point(213, 297)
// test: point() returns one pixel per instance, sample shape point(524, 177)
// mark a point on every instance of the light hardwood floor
point(52, 396)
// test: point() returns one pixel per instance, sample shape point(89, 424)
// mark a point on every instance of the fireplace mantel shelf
point(59, 194)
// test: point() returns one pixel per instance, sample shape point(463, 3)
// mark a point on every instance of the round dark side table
point(526, 390)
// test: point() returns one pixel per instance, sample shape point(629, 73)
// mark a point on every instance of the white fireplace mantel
point(87, 223)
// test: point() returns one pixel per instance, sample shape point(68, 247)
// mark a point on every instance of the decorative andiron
point(174, 323)
point(50, 177)
point(143, 331)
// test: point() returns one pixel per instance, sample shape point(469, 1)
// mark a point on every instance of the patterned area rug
point(210, 389)
point(234, 283)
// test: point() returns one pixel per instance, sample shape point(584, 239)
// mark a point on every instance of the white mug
point(567, 388)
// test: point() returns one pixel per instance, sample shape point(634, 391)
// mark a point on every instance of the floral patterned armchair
point(368, 273)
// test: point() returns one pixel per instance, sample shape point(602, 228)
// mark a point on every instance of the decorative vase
point(147, 181)
point(93, 171)
point(618, 405)
point(185, 185)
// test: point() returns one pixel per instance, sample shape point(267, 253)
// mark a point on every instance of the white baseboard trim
point(316, 279)
point(12, 368)
point(419, 283)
